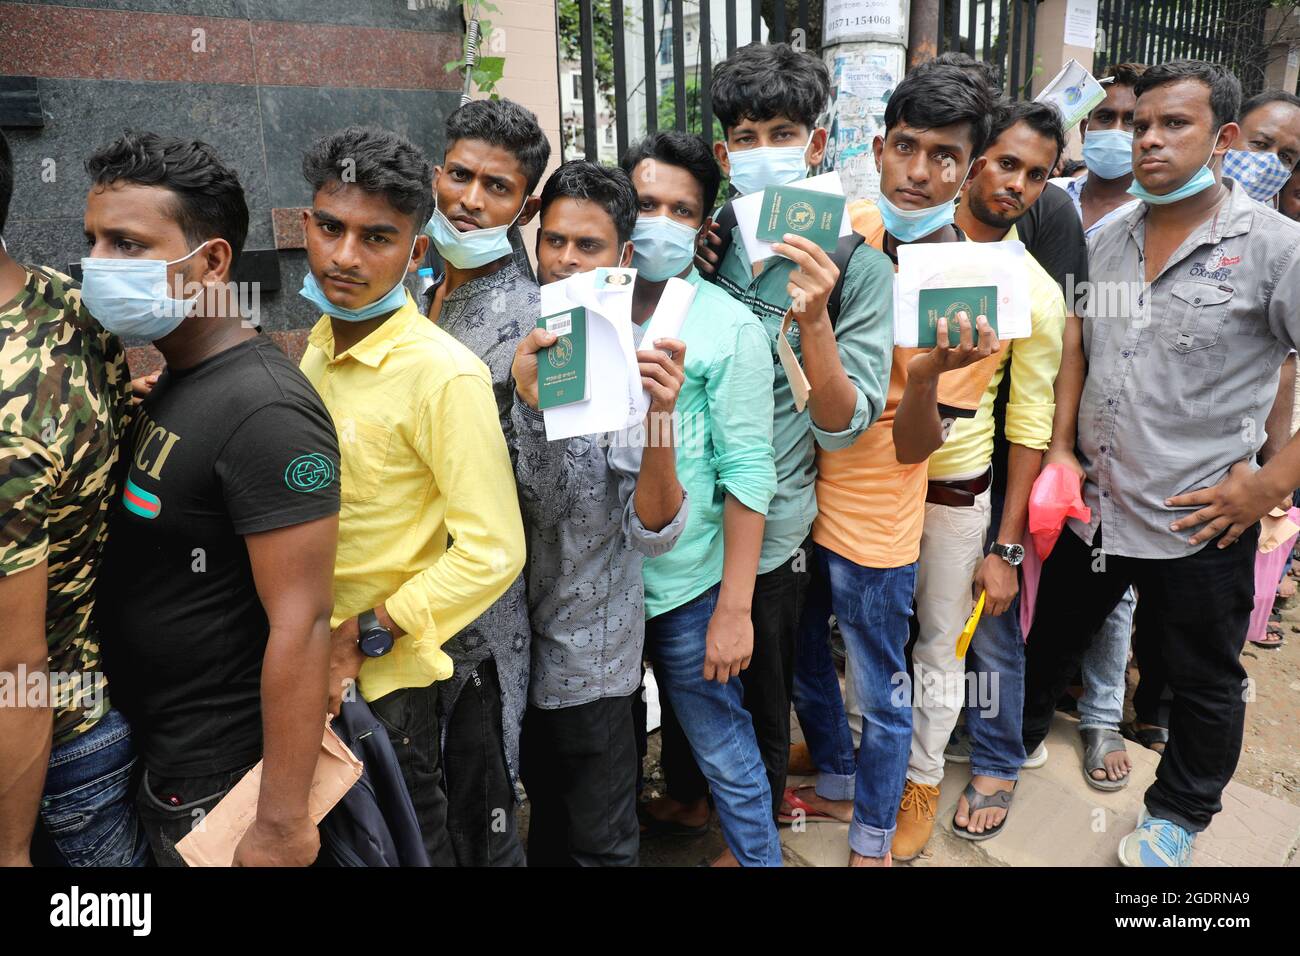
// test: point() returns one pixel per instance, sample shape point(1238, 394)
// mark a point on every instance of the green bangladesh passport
point(562, 368)
point(933, 304)
point(804, 212)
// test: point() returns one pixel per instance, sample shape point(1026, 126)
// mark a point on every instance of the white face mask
point(753, 170)
point(128, 297)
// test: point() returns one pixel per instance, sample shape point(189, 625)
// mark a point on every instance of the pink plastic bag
point(1056, 496)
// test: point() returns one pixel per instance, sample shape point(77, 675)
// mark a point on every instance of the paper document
point(666, 323)
point(215, 836)
point(790, 365)
point(1073, 92)
point(967, 277)
point(614, 383)
point(749, 211)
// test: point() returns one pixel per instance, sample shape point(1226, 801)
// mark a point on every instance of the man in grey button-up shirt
point(1194, 306)
point(589, 523)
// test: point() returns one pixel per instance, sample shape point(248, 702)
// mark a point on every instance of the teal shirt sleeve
point(739, 393)
point(864, 333)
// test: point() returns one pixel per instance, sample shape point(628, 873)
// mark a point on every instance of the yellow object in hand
point(972, 622)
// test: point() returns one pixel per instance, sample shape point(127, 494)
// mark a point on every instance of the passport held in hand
point(946, 303)
point(562, 368)
point(804, 212)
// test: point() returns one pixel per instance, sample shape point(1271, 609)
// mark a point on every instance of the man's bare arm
point(25, 731)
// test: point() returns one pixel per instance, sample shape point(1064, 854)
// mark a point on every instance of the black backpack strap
point(841, 256)
point(725, 221)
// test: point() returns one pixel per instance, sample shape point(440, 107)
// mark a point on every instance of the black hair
point(764, 80)
point(985, 70)
point(377, 160)
point(1225, 89)
point(506, 124)
point(689, 152)
point(1040, 117)
point(209, 198)
point(606, 186)
point(1072, 166)
point(1264, 99)
point(6, 180)
point(942, 95)
point(1123, 74)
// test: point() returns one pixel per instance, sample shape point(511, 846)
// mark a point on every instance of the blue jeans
point(872, 606)
point(87, 815)
point(718, 728)
point(1104, 666)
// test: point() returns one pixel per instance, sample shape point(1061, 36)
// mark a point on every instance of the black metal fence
point(663, 35)
point(1230, 32)
point(1000, 32)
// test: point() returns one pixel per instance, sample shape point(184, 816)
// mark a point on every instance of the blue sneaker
point(1156, 842)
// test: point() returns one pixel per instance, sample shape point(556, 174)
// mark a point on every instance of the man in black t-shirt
point(216, 589)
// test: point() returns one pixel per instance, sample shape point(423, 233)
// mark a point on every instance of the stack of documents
point(1073, 92)
point(602, 366)
point(978, 278)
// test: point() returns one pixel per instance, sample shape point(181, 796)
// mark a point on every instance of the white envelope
point(749, 209)
point(614, 379)
point(666, 323)
point(1000, 264)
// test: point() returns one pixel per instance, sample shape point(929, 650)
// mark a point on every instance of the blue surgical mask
point(753, 170)
point(909, 225)
point(1262, 175)
point(391, 302)
point(1201, 180)
point(661, 247)
point(1108, 153)
point(468, 250)
point(128, 297)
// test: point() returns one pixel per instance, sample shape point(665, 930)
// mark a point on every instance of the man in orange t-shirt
point(871, 495)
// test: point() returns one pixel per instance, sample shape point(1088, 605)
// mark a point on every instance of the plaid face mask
point(1262, 175)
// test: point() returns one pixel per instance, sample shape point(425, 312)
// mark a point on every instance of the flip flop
point(983, 801)
point(1276, 634)
point(1146, 736)
point(1097, 743)
point(807, 814)
point(653, 828)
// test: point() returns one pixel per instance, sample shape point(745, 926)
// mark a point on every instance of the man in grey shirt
point(495, 156)
point(1194, 305)
point(589, 524)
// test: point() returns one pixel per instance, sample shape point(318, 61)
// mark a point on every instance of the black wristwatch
point(374, 640)
point(1012, 554)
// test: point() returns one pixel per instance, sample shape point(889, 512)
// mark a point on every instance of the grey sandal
point(1097, 743)
point(983, 801)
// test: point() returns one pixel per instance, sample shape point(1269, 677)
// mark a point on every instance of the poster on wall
point(1081, 23)
point(864, 20)
point(862, 81)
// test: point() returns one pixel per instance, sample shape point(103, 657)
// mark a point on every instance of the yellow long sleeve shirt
point(429, 525)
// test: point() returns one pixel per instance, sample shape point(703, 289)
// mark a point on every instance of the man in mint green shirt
point(768, 98)
point(699, 596)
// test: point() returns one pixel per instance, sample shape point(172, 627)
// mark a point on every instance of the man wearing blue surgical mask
point(728, 470)
point(1267, 149)
point(214, 598)
point(1101, 194)
point(1181, 371)
point(486, 299)
point(430, 535)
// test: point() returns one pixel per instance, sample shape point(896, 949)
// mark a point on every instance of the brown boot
point(915, 820)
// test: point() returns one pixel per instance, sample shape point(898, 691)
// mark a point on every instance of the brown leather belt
point(958, 494)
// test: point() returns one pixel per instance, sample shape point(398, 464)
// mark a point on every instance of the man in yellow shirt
point(956, 562)
point(422, 457)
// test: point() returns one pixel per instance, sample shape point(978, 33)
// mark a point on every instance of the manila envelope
point(213, 841)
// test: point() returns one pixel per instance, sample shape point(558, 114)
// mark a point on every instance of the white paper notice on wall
point(858, 19)
point(1081, 23)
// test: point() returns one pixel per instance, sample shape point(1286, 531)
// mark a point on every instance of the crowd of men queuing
point(242, 546)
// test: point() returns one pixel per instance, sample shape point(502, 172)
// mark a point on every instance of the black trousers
point(410, 716)
point(579, 766)
point(170, 807)
point(778, 604)
point(1191, 621)
point(480, 794)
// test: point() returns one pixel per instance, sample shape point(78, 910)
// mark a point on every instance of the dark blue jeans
point(87, 815)
point(872, 606)
point(718, 728)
